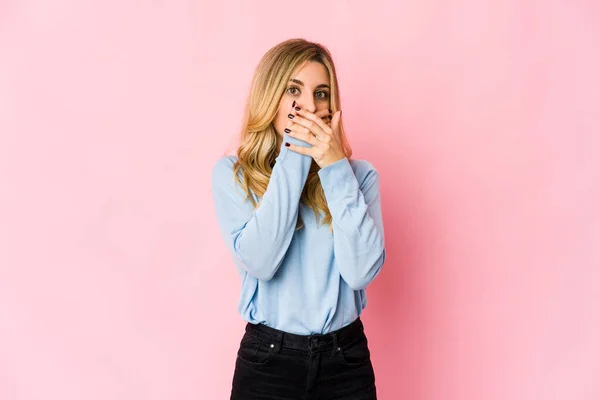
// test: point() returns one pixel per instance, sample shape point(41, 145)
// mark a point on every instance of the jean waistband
point(312, 343)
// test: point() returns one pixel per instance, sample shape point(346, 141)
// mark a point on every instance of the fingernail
point(286, 130)
point(290, 116)
point(329, 111)
point(297, 108)
point(294, 103)
point(287, 144)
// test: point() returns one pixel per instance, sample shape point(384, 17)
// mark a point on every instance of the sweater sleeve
point(358, 237)
point(259, 238)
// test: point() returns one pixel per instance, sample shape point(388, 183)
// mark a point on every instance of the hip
point(272, 362)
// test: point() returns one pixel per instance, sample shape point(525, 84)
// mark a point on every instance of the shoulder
point(222, 173)
point(223, 167)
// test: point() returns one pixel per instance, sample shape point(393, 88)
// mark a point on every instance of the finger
point(335, 121)
point(315, 124)
point(293, 113)
point(293, 109)
point(314, 117)
point(326, 116)
point(299, 149)
point(326, 119)
point(302, 133)
point(323, 113)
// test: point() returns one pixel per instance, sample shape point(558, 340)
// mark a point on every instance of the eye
point(293, 88)
point(324, 95)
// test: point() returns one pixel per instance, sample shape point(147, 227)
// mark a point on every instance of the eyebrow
point(322, 85)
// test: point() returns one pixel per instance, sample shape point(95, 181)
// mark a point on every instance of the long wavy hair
point(259, 142)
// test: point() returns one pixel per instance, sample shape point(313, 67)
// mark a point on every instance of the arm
point(358, 243)
point(260, 238)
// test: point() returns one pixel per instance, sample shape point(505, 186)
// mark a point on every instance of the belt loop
point(275, 344)
point(335, 344)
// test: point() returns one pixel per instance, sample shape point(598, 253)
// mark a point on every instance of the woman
point(303, 223)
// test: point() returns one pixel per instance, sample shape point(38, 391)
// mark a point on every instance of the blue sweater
point(307, 281)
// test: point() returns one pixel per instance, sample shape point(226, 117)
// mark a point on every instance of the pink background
point(481, 116)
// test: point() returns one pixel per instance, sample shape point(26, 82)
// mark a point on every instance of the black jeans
point(276, 365)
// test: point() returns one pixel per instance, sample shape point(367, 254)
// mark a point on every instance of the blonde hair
point(260, 143)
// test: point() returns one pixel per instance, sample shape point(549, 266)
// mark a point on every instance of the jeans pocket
point(356, 353)
point(253, 350)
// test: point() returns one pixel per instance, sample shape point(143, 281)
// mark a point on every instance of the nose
point(307, 102)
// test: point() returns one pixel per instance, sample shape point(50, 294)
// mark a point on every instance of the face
point(309, 87)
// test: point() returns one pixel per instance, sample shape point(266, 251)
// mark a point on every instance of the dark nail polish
point(290, 116)
point(294, 103)
point(329, 111)
point(297, 108)
point(287, 144)
point(286, 130)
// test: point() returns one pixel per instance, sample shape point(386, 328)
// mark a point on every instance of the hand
point(324, 137)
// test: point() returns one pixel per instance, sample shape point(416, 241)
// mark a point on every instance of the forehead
point(312, 73)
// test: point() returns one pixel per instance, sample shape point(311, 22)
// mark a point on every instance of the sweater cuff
point(283, 150)
point(338, 179)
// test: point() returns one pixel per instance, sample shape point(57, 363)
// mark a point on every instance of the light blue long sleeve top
point(308, 281)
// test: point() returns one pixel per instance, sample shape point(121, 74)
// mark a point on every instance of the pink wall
point(482, 117)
